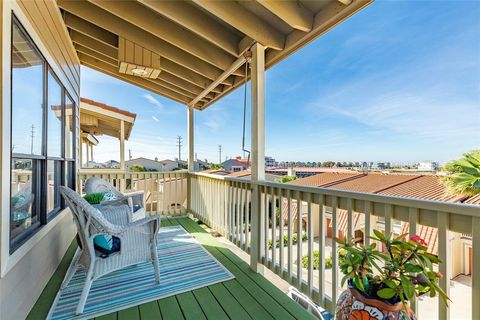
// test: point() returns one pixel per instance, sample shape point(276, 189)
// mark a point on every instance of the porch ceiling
point(200, 43)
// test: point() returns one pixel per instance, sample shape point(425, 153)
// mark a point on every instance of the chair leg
point(72, 269)
point(156, 266)
point(85, 290)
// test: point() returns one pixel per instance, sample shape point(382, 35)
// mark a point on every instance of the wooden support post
point(122, 145)
point(191, 152)
point(258, 151)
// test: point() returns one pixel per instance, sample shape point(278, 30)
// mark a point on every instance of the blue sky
point(399, 82)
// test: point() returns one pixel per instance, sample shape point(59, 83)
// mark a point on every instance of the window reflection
point(22, 204)
point(55, 114)
point(69, 125)
point(27, 95)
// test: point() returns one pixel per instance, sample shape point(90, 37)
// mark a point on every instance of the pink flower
point(419, 240)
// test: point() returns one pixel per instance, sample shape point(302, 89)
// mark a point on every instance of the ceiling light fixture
point(139, 72)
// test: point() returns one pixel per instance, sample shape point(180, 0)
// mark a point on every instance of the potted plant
point(380, 283)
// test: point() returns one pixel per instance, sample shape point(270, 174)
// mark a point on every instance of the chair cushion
point(103, 241)
point(109, 196)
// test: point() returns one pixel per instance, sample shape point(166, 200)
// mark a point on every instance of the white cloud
point(153, 100)
point(155, 119)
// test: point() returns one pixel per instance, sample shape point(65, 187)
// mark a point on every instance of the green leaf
point(390, 283)
point(386, 293)
point(378, 234)
point(412, 268)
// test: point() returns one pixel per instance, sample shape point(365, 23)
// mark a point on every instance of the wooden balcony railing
point(165, 192)
point(225, 203)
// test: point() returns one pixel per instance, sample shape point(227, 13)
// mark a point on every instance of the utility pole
point(32, 136)
point(179, 145)
point(219, 153)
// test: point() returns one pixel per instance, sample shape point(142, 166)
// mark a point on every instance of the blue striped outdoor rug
point(184, 265)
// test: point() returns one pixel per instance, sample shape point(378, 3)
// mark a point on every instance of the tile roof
point(325, 179)
point(373, 182)
point(107, 107)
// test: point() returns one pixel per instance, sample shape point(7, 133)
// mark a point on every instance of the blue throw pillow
point(109, 196)
point(103, 241)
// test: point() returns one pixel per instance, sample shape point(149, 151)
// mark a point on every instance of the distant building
point(428, 166)
point(163, 165)
point(270, 162)
point(235, 165)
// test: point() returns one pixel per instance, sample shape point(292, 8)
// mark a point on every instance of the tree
point(215, 166)
point(464, 174)
point(137, 168)
point(286, 179)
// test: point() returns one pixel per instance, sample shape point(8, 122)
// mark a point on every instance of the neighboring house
point(112, 164)
point(152, 165)
point(270, 162)
point(235, 165)
point(427, 187)
point(428, 166)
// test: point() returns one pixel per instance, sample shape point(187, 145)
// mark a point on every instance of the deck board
point(248, 296)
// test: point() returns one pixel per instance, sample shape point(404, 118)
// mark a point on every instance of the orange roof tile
point(109, 108)
point(326, 178)
point(373, 182)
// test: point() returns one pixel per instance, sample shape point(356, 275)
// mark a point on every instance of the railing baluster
point(299, 241)
point(334, 250)
point(274, 228)
point(412, 230)
point(281, 225)
point(310, 243)
point(320, 200)
point(290, 234)
point(242, 216)
point(350, 223)
point(265, 225)
point(249, 213)
point(444, 255)
point(388, 219)
point(475, 267)
point(368, 222)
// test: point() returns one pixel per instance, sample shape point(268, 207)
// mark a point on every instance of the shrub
point(94, 198)
point(316, 261)
point(285, 240)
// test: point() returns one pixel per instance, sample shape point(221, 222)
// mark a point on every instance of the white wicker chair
point(132, 199)
point(138, 240)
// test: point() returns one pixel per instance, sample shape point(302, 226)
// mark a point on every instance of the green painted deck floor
point(248, 296)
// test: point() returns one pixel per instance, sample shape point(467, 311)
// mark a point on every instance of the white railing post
point(444, 255)
point(258, 148)
point(475, 267)
point(191, 153)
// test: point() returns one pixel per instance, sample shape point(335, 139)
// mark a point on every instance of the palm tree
point(464, 174)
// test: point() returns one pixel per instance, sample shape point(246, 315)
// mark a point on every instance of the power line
point(179, 145)
point(219, 153)
point(32, 136)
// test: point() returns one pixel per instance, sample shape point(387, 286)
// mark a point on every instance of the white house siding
point(25, 272)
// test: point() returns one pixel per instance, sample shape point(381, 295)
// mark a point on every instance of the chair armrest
point(137, 198)
point(118, 230)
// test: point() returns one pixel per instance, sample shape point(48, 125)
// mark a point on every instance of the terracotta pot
point(353, 305)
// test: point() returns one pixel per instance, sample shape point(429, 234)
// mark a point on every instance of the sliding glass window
point(42, 139)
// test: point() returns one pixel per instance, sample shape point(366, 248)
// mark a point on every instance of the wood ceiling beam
point(93, 44)
point(235, 65)
point(92, 57)
point(161, 27)
point(203, 25)
point(245, 21)
point(88, 39)
point(95, 54)
point(292, 12)
point(327, 18)
point(120, 27)
point(91, 30)
point(143, 83)
point(111, 58)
